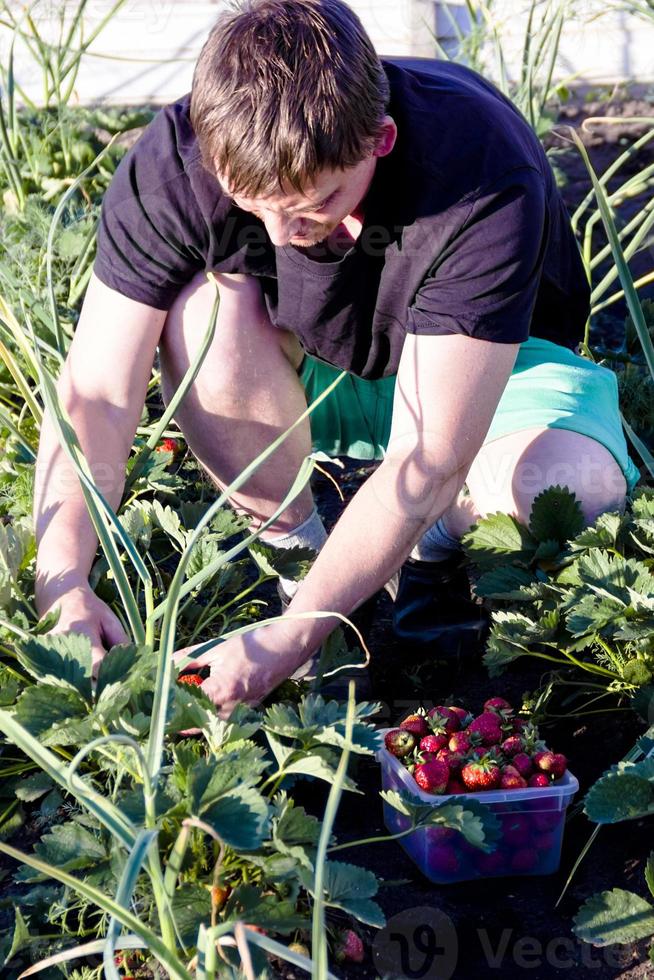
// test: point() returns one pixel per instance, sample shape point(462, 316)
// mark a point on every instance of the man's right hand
point(81, 611)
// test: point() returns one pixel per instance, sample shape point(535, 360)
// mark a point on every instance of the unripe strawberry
point(219, 896)
point(300, 949)
point(432, 777)
point(350, 948)
point(433, 743)
point(416, 724)
point(538, 780)
point(443, 720)
point(399, 742)
point(522, 763)
point(512, 745)
point(459, 742)
point(487, 726)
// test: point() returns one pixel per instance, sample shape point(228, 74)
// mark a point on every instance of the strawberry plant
point(580, 598)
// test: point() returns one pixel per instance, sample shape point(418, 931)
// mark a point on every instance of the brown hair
point(283, 89)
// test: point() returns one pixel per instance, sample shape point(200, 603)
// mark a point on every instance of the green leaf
point(294, 832)
point(350, 888)
point(556, 514)
point(115, 666)
point(620, 795)
point(63, 659)
point(208, 781)
point(70, 847)
point(590, 613)
point(291, 563)
point(547, 552)
point(505, 582)
point(21, 936)
point(615, 916)
point(42, 707)
point(241, 818)
point(602, 534)
point(16, 546)
point(35, 786)
point(191, 906)
point(476, 822)
point(267, 911)
point(168, 521)
point(320, 767)
point(496, 537)
point(649, 873)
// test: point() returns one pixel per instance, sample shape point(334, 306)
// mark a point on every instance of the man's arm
point(448, 388)
point(102, 386)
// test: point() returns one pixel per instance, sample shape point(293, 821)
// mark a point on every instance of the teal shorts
point(550, 387)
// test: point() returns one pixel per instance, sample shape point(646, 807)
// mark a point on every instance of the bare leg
point(509, 472)
point(246, 393)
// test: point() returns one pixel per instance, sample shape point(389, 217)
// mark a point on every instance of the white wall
point(163, 38)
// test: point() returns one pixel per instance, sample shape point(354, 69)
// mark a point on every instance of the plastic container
point(532, 829)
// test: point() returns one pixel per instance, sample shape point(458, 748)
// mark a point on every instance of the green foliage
point(580, 597)
point(615, 916)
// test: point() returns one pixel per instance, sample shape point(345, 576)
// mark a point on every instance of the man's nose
point(280, 229)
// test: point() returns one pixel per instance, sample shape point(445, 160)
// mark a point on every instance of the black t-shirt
point(464, 231)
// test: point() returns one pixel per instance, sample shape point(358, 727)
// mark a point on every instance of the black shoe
point(434, 612)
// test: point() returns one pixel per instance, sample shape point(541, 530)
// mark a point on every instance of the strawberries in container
point(450, 753)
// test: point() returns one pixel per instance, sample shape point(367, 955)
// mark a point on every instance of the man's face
point(308, 218)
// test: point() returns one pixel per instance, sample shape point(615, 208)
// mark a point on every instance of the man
point(400, 223)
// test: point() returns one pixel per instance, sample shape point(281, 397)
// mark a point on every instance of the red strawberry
point(433, 743)
point(489, 864)
point(544, 842)
point(416, 724)
point(453, 760)
point(169, 446)
point(399, 742)
point(538, 780)
point(497, 704)
point(551, 762)
point(524, 860)
point(515, 830)
point(545, 822)
point(512, 745)
point(519, 725)
point(459, 742)
point(478, 752)
point(487, 726)
point(350, 948)
point(512, 780)
point(464, 716)
point(444, 860)
point(192, 679)
point(454, 786)
point(432, 777)
point(482, 774)
point(522, 763)
point(443, 720)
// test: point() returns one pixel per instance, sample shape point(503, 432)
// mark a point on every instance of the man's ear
point(386, 140)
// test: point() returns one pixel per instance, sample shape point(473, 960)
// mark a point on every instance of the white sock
point(309, 534)
point(436, 544)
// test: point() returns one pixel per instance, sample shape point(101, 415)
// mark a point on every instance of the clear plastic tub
point(532, 829)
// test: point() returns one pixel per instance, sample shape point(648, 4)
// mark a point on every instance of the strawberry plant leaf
point(620, 795)
point(295, 833)
point(505, 582)
point(475, 821)
point(21, 936)
point(62, 660)
point(547, 551)
point(556, 514)
point(496, 537)
point(291, 563)
point(71, 847)
point(603, 533)
point(35, 786)
point(44, 706)
point(349, 888)
point(649, 873)
point(241, 818)
point(267, 911)
point(116, 666)
point(191, 905)
point(615, 916)
point(320, 766)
